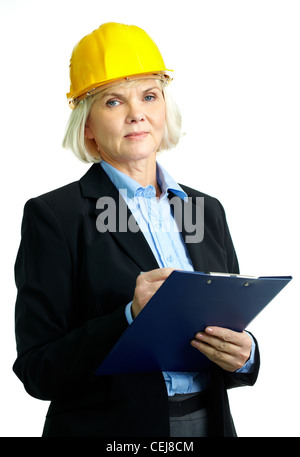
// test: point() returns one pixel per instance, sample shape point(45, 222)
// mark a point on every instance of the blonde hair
point(86, 149)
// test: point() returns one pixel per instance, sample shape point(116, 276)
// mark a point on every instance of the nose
point(135, 113)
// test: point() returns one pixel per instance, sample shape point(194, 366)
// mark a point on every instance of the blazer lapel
point(95, 184)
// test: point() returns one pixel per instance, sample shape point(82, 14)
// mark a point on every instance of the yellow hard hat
point(111, 52)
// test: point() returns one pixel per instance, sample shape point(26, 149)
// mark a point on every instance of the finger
point(224, 334)
point(159, 274)
point(223, 359)
point(229, 355)
point(216, 343)
point(147, 285)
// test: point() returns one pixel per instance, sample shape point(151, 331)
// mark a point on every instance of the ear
point(88, 131)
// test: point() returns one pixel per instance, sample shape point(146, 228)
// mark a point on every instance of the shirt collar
point(167, 183)
point(133, 188)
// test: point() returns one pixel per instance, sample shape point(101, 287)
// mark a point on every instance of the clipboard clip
point(231, 275)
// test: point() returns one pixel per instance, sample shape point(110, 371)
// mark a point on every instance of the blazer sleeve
point(55, 355)
point(232, 260)
point(237, 379)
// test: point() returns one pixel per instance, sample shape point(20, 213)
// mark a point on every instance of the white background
point(237, 82)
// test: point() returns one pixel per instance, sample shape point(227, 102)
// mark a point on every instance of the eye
point(112, 103)
point(149, 98)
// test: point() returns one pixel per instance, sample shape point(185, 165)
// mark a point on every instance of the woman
point(79, 282)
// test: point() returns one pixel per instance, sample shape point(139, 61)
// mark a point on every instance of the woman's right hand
point(146, 285)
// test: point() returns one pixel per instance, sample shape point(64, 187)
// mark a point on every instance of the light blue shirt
point(155, 219)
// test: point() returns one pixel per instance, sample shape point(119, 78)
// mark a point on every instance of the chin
point(142, 153)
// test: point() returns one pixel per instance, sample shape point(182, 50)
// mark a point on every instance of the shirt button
point(159, 225)
point(170, 258)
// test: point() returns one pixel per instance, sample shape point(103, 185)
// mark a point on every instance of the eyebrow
point(116, 94)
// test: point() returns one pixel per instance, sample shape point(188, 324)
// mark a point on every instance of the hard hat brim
point(75, 97)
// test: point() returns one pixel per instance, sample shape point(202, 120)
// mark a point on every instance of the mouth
point(136, 135)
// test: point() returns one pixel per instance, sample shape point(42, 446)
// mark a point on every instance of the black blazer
point(73, 285)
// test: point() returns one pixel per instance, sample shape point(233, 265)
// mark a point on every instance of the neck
point(142, 171)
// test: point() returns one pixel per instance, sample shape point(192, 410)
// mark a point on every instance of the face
point(127, 122)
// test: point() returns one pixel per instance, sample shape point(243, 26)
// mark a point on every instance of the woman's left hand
point(228, 349)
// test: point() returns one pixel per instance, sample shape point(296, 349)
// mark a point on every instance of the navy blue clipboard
point(187, 302)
